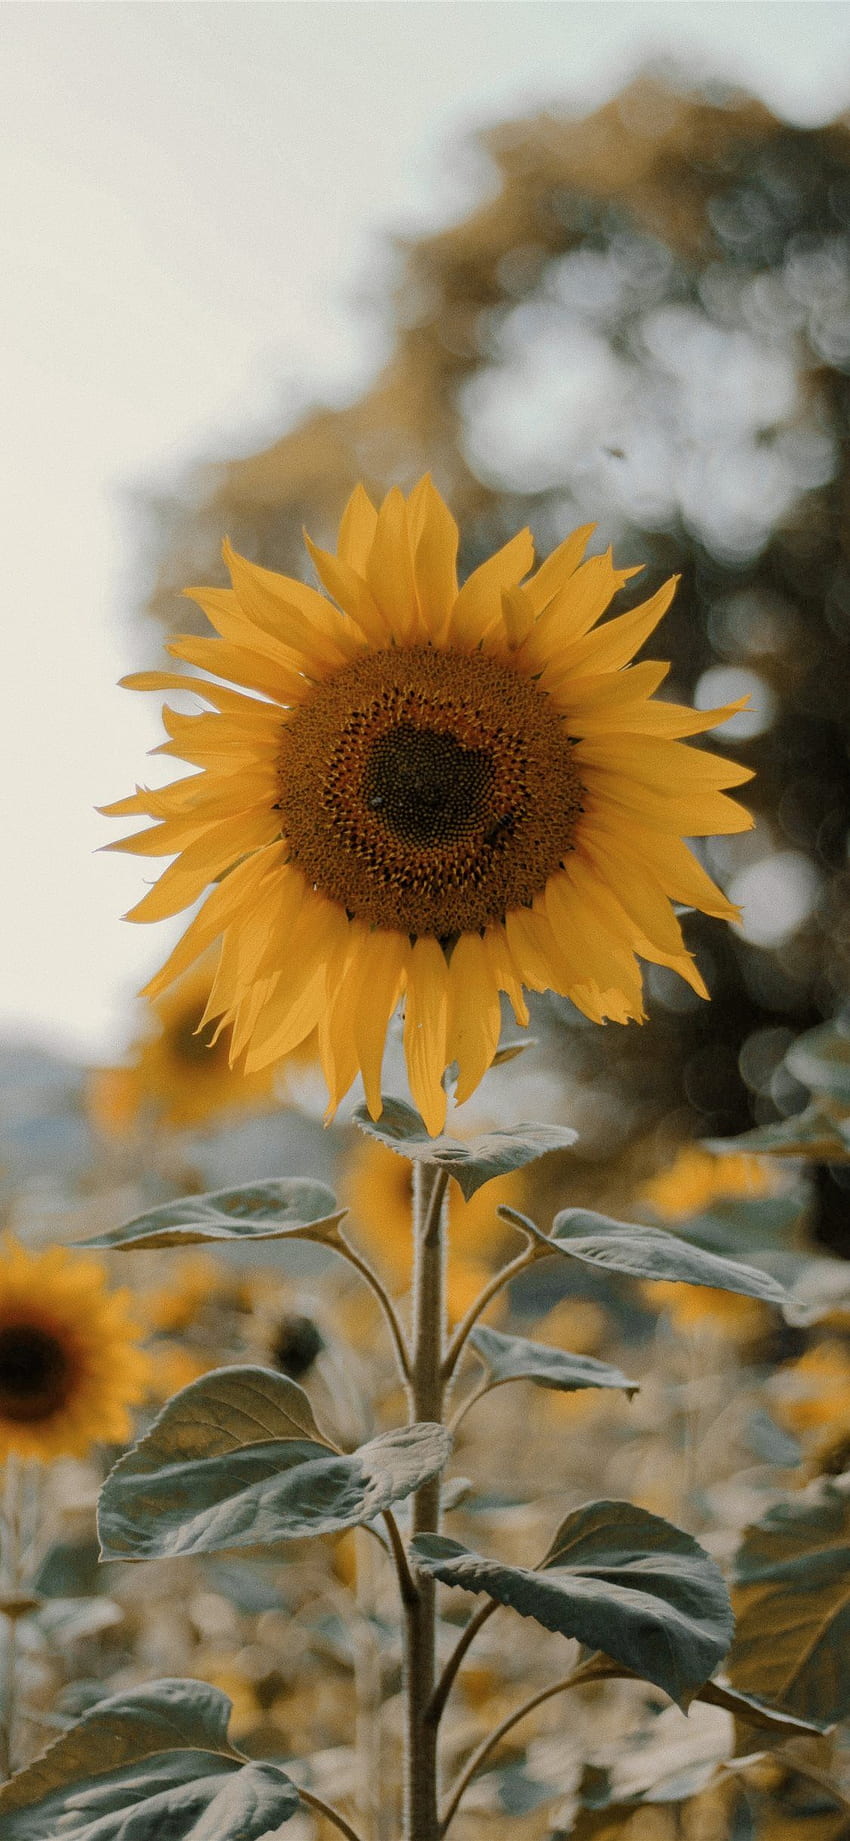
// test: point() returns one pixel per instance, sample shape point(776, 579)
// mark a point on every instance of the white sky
point(192, 204)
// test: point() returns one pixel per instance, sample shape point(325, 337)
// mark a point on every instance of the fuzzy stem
point(12, 1509)
point(422, 1821)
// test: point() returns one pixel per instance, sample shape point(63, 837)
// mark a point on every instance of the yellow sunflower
point(697, 1178)
point(181, 1069)
point(428, 793)
point(70, 1364)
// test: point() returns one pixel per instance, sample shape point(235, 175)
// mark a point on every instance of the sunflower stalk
point(12, 1581)
point(422, 1821)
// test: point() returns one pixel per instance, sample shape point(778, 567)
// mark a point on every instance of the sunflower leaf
point(472, 1163)
point(645, 1253)
point(793, 1638)
point(288, 1208)
point(515, 1358)
point(618, 1579)
point(155, 1760)
point(221, 1468)
point(811, 1134)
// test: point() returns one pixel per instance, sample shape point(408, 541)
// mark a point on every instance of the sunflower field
point(425, 1349)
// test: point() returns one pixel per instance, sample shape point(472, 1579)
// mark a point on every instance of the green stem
point(488, 1745)
point(12, 1510)
point(331, 1815)
point(422, 1821)
point(491, 1290)
point(436, 1705)
point(347, 1251)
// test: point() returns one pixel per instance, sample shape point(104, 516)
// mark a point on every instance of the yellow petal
point(434, 536)
point(478, 608)
point(389, 570)
point(296, 1006)
point(351, 592)
point(606, 699)
point(658, 762)
point(614, 644)
point(231, 701)
point(573, 612)
point(220, 906)
point(210, 856)
point(357, 530)
point(425, 1022)
point(384, 959)
point(559, 567)
point(272, 677)
point(636, 890)
point(474, 1012)
point(291, 613)
point(505, 972)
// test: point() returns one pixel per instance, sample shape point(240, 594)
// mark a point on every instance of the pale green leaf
point(811, 1134)
point(618, 1579)
point(161, 1499)
point(473, 1162)
point(140, 1766)
point(820, 1059)
point(792, 1644)
point(515, 1358)
point(645, 1253)
point(291, 1208)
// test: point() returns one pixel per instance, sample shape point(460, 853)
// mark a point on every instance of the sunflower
point(696, 1179)
point(70, 1364)
point(181, 1070)
point(428, 793)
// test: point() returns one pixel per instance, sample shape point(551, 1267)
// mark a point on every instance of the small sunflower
point(426, 792)
point(70, 1364)
point(697, 1178)
point(181, 1070)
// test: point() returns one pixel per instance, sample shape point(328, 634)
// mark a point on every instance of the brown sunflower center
point(428, 791)
point(35, 1373)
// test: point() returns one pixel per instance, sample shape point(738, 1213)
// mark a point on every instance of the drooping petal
point(425, 1023)
point(384, 961)
point(208, 857)
point(474, 1013)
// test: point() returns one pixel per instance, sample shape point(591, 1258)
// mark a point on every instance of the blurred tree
point(646, 321)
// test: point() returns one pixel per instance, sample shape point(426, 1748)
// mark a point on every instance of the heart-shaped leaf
point(792, 1643)
point(152, 1762)
point(472, 1163)
point(514, 1358)
point(290, 1208)
point(618, 1579)
point(193, 1485)
point(645, 1253)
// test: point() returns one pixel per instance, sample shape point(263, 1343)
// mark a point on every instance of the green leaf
point(821, 1287)
point(618, 1579)
point(792, 1644)
point(149, 1763)
point(514, 1358)
point(820, 1059)
point(471, 1163)
point(754, 1712)
point(812, 1134)
point(280, 1209)
point(224, 1466)
point(645, 1253)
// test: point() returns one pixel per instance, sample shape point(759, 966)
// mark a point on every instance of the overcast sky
point(193, 202)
